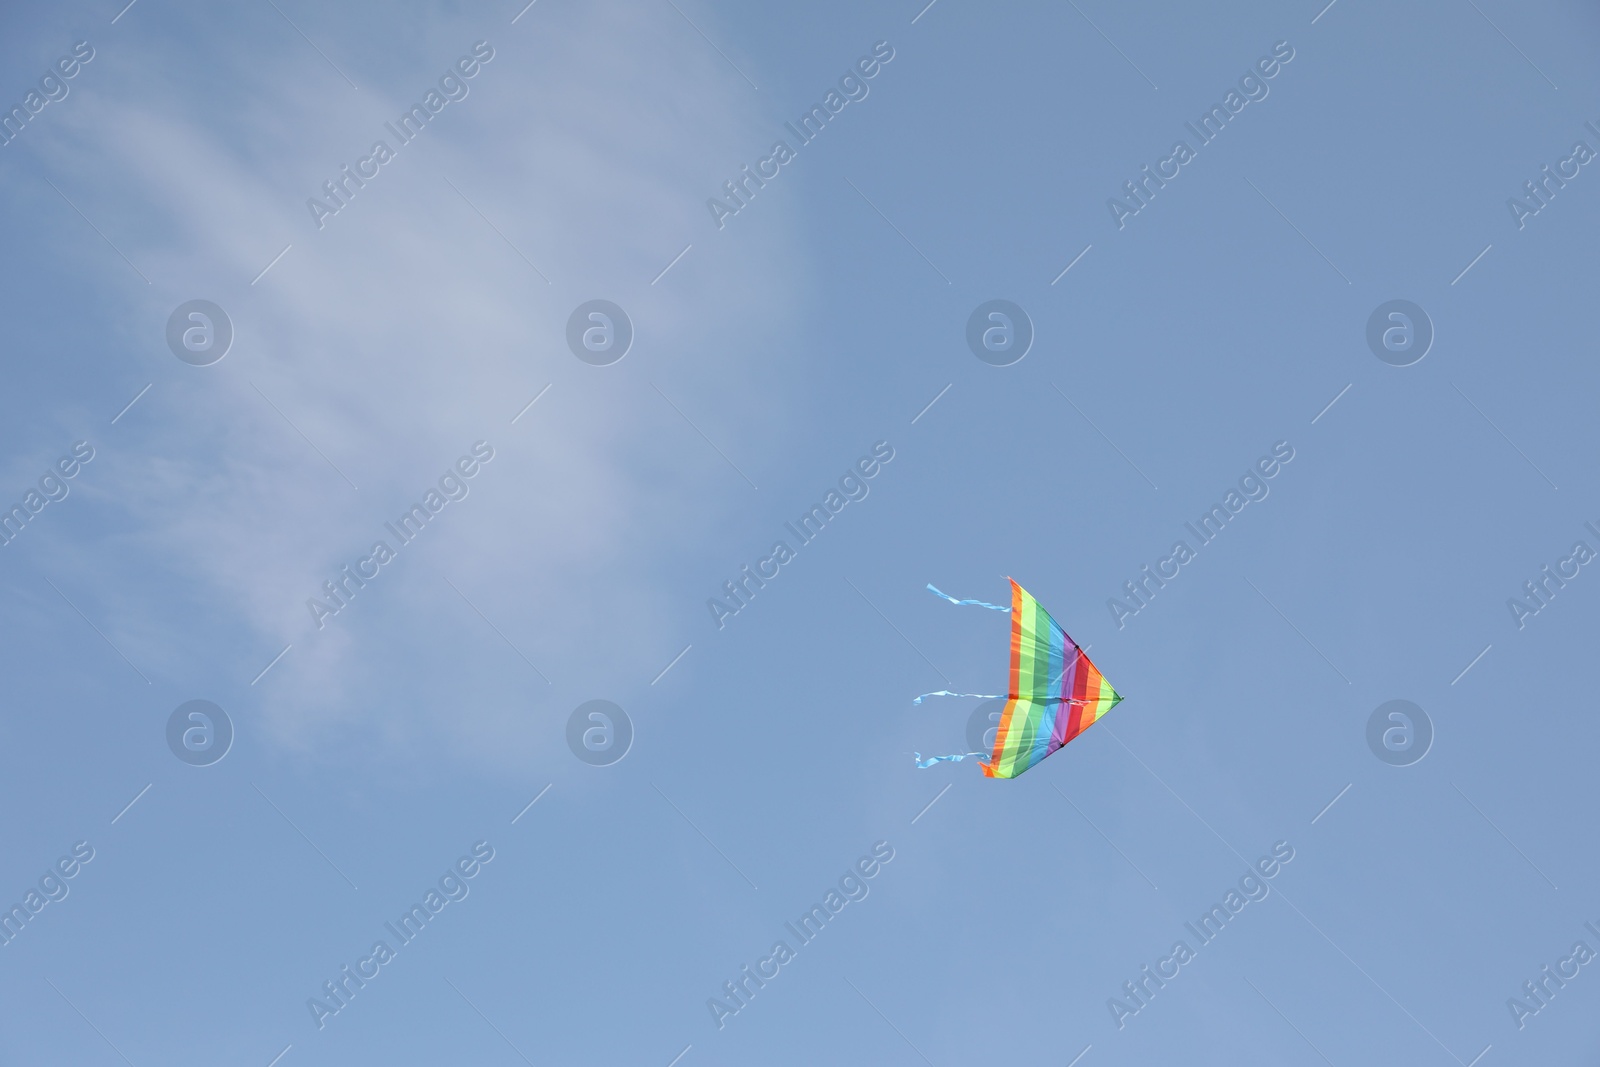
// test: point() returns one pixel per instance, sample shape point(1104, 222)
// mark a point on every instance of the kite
point(1056, 693)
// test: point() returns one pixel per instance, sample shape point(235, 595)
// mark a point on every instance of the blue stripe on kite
point(1046, 735)
point(1043, 742)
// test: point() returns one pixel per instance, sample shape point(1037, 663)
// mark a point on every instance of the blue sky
point(769, 756)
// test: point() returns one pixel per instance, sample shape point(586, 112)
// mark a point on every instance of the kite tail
point(974, 603)
point(948, 693)
point(931, 760)
point(1002, 696)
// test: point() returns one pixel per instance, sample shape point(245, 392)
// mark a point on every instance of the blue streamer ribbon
point(973, 603)
point(931, 760)
point(948, 693)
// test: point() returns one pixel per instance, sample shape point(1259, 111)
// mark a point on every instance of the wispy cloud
point(398, 336)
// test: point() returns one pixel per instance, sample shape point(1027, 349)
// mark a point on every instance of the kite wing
point(1055, 694)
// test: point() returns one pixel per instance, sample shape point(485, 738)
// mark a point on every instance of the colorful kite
point(1055, 693)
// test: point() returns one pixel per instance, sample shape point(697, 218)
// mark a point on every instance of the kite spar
point(1055, 692)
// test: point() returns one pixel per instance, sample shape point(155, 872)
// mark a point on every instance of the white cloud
point(407, 329)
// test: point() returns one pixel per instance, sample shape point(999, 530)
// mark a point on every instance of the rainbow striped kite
point(1055, 692)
